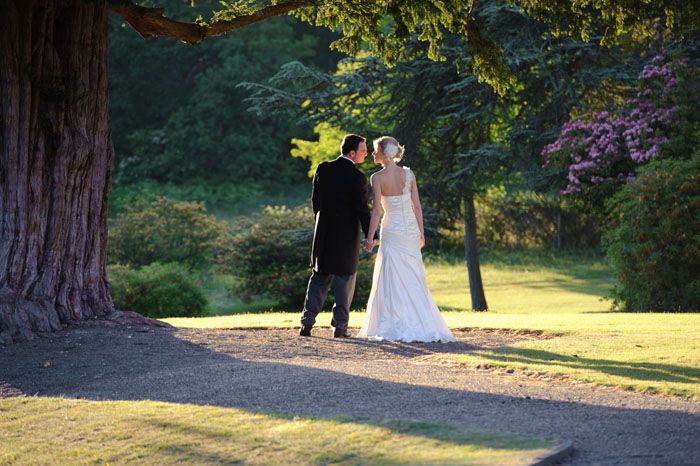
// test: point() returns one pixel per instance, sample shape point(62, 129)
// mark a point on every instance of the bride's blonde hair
point(390, 147)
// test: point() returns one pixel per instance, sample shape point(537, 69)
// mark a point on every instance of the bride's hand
point(368, 245)
point(422, 241)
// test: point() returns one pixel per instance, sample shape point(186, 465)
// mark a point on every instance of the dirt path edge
point(556, 455)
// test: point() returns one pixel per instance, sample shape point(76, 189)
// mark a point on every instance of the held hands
point(368, 244)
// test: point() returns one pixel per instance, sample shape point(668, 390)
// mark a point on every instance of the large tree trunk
point(476, 286)
point(55, 164)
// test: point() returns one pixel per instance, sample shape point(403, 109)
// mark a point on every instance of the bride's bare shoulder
point(377, 176)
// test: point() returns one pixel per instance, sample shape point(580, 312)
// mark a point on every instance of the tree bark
point(476, 286)
point(55, 164)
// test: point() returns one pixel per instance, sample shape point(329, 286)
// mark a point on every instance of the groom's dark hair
point(350, 143)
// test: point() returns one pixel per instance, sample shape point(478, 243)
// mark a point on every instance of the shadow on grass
point(640, 371)
point(577, 285)
point(467, 309)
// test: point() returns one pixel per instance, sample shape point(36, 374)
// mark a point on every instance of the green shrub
point(166, 231)
point(156, 290)
point(654, 238)
point(269, 254)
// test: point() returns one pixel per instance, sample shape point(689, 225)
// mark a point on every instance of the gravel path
point(276, 370)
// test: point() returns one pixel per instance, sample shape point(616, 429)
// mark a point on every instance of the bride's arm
point(376, 209)
point(415, 200)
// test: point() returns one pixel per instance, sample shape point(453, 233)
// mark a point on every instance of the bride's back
point(392, 181)
point(398, 216)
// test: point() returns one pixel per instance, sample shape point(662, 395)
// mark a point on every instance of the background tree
point(56, 153)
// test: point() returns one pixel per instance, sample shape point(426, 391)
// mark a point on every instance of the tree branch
point(150, 22)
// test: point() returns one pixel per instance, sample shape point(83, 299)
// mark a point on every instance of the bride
point(400, 306)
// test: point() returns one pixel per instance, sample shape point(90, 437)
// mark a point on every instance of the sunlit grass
point(642, 352)
point(64, 431)
point(522, 282)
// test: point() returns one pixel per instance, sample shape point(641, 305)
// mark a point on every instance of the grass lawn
point(561, 295)
point(56, 430)
point(525, 282)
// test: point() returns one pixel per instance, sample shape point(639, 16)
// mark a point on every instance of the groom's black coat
point(339, 201)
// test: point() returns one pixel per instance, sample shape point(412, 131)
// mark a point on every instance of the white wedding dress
point(400, 306)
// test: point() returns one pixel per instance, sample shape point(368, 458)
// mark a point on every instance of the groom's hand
point(368, 245)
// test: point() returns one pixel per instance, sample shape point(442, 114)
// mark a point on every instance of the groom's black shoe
point(338, 333)
point(305, 331)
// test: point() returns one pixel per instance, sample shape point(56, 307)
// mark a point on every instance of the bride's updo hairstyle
point(390, 147)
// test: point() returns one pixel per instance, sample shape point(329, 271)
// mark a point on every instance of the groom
point(339, 201)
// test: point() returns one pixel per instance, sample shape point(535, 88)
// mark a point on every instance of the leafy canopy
point(385, 26)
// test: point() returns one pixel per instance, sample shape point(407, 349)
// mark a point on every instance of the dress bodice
point(398, 210)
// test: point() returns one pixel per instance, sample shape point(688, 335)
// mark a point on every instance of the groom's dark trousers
point(317, 291)
point(339, 199)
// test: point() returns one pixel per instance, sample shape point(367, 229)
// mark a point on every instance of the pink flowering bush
point(609, 148)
